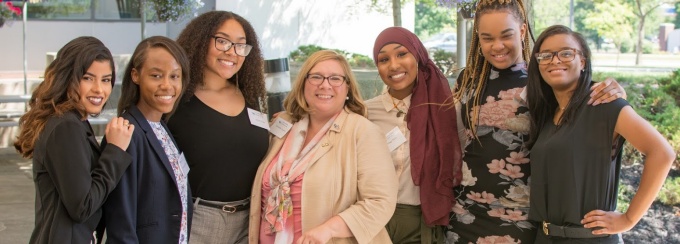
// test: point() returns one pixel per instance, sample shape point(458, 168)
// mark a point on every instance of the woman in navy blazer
point(152, 202)
point(72, 174)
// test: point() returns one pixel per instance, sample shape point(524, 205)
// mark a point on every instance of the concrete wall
point(283, 25)
point(43, 36)
point(673, 41)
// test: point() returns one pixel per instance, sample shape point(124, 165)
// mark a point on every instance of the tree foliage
point(611, 19)
point(431, 18)
point(549, 12)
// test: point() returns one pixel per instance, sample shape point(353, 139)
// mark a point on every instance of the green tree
point(383, 6)
point(431, 18)
point(549, 12)
point(582, 9)
point(611, 19)
point(642, 9)
point(677, 14)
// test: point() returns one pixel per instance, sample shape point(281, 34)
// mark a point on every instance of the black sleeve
point(82, 185)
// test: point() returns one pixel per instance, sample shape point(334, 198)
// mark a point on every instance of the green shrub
point(360, 60)
point(670, 192)
point(648, 47)
point(627, 46)
point(655, 97)
point(445, 61)
point(672, 86)
point(301, 54)
point(626, 193)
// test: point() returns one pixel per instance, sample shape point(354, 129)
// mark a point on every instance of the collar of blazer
point(325, 144)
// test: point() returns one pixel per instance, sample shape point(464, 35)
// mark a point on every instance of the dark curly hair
point(196, 39)
point(58, 93)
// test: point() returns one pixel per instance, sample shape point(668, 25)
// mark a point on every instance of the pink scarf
point(291, 162)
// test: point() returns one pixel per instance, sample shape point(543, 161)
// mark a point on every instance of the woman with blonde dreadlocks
point(492, 201)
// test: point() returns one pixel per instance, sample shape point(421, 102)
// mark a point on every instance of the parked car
point(442, 41)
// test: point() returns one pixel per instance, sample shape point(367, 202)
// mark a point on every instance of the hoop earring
point(522, 44)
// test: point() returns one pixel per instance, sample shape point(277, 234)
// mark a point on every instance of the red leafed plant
point(7, 11)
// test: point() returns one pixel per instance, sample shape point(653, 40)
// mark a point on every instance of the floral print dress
point(492, 201)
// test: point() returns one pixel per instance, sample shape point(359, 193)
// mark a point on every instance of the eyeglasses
point(333, 80)
point(565, 55)
point(224, 45)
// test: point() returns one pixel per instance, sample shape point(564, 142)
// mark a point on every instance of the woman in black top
point(214, 126)
point(72, 174)
point(576, 148)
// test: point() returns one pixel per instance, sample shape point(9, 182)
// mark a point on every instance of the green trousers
point(408, 226)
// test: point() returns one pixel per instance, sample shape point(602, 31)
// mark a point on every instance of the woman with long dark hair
point(73, 175)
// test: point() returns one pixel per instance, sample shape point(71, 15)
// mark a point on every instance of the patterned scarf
point(291, 162)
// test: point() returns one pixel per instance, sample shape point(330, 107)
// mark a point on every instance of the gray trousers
point(211, 225)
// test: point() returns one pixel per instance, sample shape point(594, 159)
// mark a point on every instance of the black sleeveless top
point(223, 152)
point(575, 169)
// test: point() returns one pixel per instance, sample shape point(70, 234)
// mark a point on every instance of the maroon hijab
point(435, 149)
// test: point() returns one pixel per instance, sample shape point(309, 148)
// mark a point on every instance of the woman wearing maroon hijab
point(421, 133)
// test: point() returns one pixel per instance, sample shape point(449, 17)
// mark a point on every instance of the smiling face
point(325, 100)
point(398, 68)
point(220, 64)
point(500, 37)
point(561, 75)
point(95, 86)
point(160, 83)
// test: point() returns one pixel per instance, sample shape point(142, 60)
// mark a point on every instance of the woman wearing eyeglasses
point(576, 148)
point(328, 177)
point(216, 126)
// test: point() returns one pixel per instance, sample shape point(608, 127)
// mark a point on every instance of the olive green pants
point(408, 226)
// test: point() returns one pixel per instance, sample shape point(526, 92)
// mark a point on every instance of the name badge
point(258, 119)
point(280, 127)
point(395, 138)
point(183, 165)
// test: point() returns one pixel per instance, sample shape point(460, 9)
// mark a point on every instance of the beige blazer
point(351, 176)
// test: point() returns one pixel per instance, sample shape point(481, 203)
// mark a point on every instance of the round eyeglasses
point(224, 45)
point(333, 80)
point(564, 55)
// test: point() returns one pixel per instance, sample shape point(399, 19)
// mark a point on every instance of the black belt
point(569, 232)
point(225, 207)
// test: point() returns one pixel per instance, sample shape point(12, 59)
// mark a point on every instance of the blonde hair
point(478, 68)
point(295, 103)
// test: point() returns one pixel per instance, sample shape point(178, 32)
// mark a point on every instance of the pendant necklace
point(399, 111)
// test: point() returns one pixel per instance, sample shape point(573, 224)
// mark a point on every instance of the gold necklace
point(399, 111)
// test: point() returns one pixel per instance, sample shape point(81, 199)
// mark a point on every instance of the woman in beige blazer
point(328, 176)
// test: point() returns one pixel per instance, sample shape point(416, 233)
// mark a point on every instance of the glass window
point(59, 9)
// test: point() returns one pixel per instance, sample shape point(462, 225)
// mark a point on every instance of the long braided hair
point(477, 70)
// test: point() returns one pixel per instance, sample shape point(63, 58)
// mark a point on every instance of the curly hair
point(130, 93)
point(295, 103)
point(196, 40)
point(478, 68)
point(59, 92)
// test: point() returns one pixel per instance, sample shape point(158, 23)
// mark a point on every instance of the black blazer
point(146, 206)
point(73, 177)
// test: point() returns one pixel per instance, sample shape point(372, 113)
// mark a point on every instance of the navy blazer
point(73, 177)
point(146, 206)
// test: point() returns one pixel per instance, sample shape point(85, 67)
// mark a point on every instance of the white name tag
point(395, 138)
point(280, 127)
point(258, 119)
point(183, 164)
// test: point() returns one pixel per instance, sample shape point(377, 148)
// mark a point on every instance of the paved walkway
point(17, 197)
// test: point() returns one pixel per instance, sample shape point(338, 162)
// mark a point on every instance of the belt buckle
point(229, 209)
point(545, 228)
